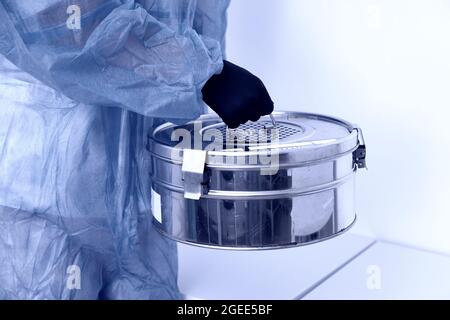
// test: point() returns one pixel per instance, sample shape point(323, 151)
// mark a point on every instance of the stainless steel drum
point(283, 181)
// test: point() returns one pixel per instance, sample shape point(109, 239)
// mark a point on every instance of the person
point(82, 83)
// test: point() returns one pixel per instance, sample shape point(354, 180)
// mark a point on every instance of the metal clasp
point(359, 155)
point(193, 169)
point(273, 125)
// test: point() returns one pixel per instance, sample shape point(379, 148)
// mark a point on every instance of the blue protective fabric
point(75, 110)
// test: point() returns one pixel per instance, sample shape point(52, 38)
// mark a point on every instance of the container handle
point(359, 155)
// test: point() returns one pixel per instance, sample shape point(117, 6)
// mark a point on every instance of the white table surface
point(276, 274)
point(388, 271)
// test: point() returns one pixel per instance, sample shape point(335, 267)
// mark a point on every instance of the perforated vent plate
point(251, 130)
point(260, 132)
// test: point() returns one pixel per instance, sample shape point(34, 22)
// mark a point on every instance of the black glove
point(237, 96)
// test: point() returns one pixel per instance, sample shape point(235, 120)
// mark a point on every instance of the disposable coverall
point(80, 84)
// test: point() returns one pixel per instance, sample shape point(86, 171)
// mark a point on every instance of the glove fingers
point(255, 117)
point(232, 124)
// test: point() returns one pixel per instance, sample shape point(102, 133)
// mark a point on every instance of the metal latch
point(273, 123)
point(359, 155)
point(193, 169)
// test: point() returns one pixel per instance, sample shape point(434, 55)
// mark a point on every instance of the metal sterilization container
point(283, 181)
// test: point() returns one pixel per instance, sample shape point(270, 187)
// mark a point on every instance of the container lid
point(295, 137)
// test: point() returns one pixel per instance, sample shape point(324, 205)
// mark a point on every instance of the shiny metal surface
point(309, 198)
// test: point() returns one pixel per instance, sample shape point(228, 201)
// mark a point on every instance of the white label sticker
point(156, 206)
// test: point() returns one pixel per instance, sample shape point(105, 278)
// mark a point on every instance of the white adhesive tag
point(156, 206)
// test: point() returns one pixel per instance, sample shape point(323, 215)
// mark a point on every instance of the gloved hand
point(237, 96)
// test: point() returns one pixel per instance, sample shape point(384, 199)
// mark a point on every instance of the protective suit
point(81, 83)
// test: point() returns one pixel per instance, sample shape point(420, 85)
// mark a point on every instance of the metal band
point(261, 195)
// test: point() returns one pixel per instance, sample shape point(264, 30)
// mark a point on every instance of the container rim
point(299, 152)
